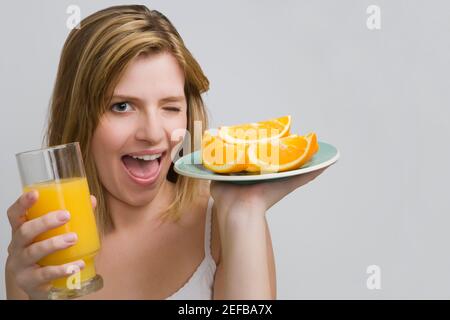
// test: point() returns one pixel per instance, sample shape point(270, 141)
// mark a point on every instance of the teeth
point(148, 157)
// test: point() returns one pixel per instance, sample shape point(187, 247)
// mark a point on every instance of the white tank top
point(200, 284)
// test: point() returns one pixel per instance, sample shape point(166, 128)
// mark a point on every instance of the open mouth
point(143, 167)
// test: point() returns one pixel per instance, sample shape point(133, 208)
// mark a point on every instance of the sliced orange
point(252, 168)
point(314, 145)
point(221, 157)
point(262, 131)
point(265, 146)
point(287, 153)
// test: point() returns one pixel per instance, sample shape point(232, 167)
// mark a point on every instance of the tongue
point(140, 168)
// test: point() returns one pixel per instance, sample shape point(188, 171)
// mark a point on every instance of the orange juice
point(71, 195)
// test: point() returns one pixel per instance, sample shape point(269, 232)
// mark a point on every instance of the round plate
point(190, 166)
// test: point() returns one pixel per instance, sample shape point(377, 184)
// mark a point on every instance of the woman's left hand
point(246, 270)
point(262, 195)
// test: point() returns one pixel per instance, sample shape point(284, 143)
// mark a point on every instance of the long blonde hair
point(92, 61)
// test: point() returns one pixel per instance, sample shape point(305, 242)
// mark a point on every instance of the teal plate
point(190, 166)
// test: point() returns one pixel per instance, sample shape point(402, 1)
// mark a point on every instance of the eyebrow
point(163, 100)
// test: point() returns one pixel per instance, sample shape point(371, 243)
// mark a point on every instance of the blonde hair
point(92, 61)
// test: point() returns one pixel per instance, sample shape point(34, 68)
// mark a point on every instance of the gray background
point(380, 96)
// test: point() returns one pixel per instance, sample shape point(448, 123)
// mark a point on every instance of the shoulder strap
point(208, 227)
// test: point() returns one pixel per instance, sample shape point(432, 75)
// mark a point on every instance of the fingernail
point(70, 237)
point(63, 215)
point(32, 195)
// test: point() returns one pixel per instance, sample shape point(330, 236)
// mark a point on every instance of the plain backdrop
point(380, 96)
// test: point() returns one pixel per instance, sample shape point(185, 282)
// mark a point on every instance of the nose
point(150, 128)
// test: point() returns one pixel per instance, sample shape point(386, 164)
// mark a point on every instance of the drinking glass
point(58, 174)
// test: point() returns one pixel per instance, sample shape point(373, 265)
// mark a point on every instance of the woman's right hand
point(23, 254)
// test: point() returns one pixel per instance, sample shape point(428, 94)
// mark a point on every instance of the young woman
point(125, 83)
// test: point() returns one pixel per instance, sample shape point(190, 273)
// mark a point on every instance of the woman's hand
point(247, 268)
point(22, 270)
point(259, 196)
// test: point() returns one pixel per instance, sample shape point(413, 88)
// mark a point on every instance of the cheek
point(110, 135)
point(107, 140)
point(175, 129)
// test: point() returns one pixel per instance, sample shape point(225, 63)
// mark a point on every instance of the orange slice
point(262, 131)
point(287, 153)
point(314, 144)
point(252, 168)
point(221, 157)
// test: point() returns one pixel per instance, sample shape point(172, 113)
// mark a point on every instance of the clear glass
point(58, 174)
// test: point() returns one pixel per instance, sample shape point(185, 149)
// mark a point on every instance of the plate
point(190, 166)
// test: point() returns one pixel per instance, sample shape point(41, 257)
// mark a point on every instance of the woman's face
point(148, 105)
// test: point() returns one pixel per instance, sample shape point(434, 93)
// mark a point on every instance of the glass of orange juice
point(58, 174)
